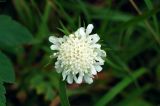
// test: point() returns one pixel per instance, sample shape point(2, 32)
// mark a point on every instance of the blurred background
point(130, 35)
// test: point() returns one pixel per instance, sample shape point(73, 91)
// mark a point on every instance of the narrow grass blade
point(150, 7)
point(135, 20)
point(115, 66)
point(119, 87)
point(64, 13)
point(133, 95)
point(84, 9)
point(43, 28)
point(64, 29)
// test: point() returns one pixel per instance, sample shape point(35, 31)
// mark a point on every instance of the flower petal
point(64, 38)
point(54, 40)
point(71, 35)
point(79, 79)
point(89, 29)
point(59, 70)
point(64, 74)
point(61, 40)
point(94, 38)
point(93, 70)
point(98, 68)
point(102, 53)
point(96, 46)
point(58, 67)
point(82, 32)
point(99, 61)
point(76, 34)
point(88, 79)
point(54, 47)
point(70, 79)
point(54, 55)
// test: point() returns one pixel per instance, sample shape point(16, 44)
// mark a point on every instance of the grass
point(130, 35)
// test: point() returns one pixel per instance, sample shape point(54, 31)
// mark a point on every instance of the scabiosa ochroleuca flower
point(79, 56)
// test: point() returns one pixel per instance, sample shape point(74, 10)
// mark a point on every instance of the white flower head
point(79, 56)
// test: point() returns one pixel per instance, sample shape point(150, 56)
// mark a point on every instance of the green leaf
point(13, 33)
point(2, 95)
point(6, 69)
point(119, 87)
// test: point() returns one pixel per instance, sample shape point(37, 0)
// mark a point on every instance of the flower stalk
point(63, 93)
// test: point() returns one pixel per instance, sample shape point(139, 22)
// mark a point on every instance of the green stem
point(62, 93)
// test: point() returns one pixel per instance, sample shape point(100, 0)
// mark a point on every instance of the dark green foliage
point(12, 34)
point(6, 75)
point(2, 95)
point(130, 76)
point(6, 69)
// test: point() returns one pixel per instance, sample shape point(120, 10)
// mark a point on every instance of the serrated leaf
point(13, 33)
point(6, 69)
